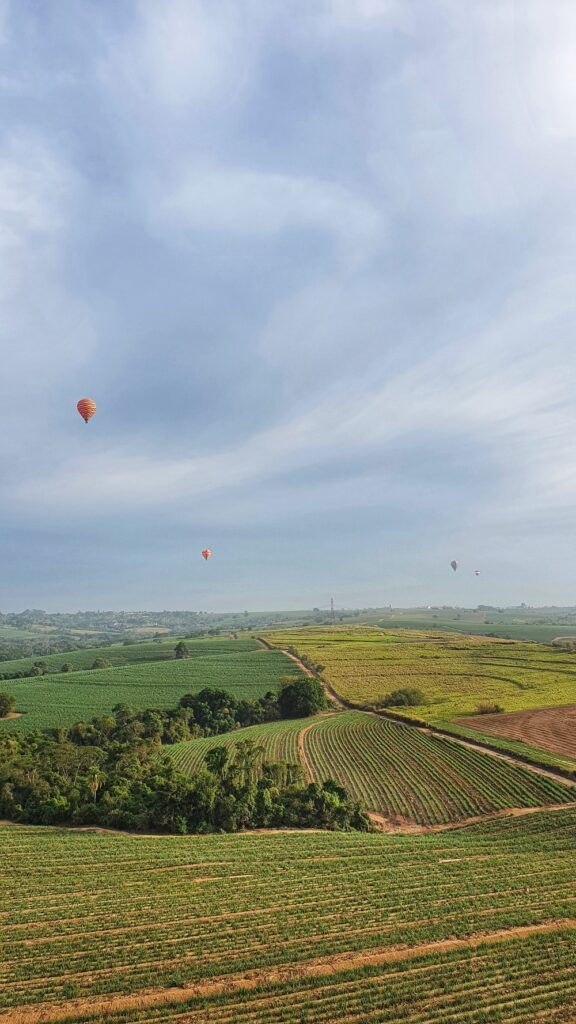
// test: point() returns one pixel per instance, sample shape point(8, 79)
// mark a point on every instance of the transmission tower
point(332, 616)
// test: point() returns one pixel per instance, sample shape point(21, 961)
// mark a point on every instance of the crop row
point(512, 983)
point(394, 769)
point(401, 771)
point(87, 914)
point(60, 700)
point(279, 740)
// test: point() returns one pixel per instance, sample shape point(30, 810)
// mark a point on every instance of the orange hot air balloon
point(206, 554)
point(86, 407)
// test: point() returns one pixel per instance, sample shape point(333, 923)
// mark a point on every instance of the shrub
point(403, 698)
point(489, 709)
point(100, 663)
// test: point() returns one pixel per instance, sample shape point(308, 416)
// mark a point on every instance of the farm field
point(475, 624)
point(455, 673)
point(61, 700)
point(403, 773)
point(553, 728)
point(130, 654)
point(395, 770)
point(279, 739)
point(470, 926)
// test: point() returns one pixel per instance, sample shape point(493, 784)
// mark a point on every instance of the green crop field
point(61, 700)
point(279, 739)
point(399, 771)
point(393, 769)
point(471, 926)
point(130, 654)
point(456, 673)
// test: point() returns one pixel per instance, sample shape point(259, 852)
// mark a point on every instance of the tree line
point(112, 772)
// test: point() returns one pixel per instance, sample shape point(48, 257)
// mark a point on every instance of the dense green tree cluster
point(7, 704)
point(112, 773)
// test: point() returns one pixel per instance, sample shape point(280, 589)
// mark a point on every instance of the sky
point(314, 261)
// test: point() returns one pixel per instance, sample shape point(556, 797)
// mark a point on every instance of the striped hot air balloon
point(86, 407)
point(206, 554)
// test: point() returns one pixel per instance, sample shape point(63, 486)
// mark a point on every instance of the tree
point(67, 667)
point(301, 698)
point(181, 651)
point(7, 704)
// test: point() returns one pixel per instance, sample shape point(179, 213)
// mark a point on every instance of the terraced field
point(59, 700)
point(472, 926)
point(395, 770)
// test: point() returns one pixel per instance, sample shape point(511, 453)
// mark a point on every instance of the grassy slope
point(109, 915)
point(64, 699)
point(130, 654)
point(393, 769)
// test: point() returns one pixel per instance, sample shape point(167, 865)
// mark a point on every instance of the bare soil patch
point(551, 729)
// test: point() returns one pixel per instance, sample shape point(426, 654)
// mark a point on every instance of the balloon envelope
point(454, 564)
point(206, 554)
point(86, 407)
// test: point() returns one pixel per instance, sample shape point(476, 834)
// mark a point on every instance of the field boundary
point(94, 1007)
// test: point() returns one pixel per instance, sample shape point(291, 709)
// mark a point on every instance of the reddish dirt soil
point(548, 728)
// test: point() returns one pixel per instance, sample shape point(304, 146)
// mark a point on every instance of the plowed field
point(549, 728)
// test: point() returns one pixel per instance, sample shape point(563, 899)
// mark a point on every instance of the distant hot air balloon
point(476, 572)
point(454, 564)
point(86, 407)
point(206, 554)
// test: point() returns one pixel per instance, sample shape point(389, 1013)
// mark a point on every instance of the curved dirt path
point(400, 826)
point(101, 1007)
point(302, 751)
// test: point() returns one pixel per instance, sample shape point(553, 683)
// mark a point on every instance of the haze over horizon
point(315, 264)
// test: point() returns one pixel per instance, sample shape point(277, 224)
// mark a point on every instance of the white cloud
point(257, 204)
point(185, 53)
point(44, 331)
point(543, 54)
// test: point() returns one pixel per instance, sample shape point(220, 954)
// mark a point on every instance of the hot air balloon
point(206, 554)
point(454, 564)
point(86, 407)
point(476, 572)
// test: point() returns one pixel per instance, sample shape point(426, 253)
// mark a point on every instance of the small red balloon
point(86, 407)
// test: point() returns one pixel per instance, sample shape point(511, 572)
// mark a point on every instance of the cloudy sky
point(315, 262)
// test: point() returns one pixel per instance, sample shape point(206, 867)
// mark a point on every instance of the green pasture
point(61, 700)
